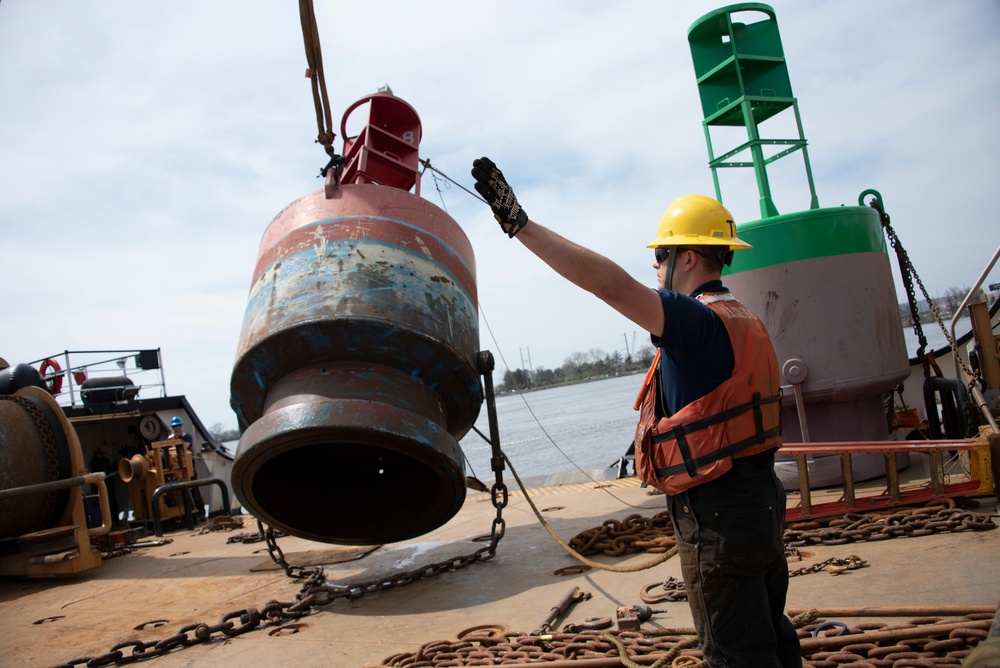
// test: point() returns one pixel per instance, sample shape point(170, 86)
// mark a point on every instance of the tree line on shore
point(578, 367)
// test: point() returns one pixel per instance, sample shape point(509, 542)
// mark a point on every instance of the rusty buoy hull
point(356, 372)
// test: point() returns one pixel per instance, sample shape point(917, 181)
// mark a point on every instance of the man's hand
point(491, 184)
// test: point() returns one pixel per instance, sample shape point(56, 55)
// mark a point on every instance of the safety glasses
point(663, 252)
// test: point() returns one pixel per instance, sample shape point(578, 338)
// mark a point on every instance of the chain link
point(314, 593)
point(909, 274)
point(499, 646)
point(633, 534)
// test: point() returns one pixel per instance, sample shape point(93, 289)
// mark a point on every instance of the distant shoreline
point(567, 383)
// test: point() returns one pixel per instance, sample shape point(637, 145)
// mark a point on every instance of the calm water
point(547, 431)
point(935, 337)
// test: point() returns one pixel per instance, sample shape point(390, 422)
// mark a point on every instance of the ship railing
point(981, 403)
point(73, 375)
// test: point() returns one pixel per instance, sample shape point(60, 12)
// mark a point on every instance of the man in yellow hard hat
point(709, 416)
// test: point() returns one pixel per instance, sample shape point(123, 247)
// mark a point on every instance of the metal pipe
point(800, 408)
point(53, 486)
point(96, 479)
point(185, 485)
point(102, 497)
point(898, 611)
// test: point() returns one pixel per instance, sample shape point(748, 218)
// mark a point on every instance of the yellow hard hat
point(696, 220)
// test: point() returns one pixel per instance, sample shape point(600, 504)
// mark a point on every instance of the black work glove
point(491, 184)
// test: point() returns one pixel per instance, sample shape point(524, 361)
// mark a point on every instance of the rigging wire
point(427, 165)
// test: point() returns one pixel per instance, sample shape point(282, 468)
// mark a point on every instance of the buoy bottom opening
point(356, 493)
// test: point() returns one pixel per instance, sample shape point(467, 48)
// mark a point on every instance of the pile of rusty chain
point(927, 641)
point(855, 527)
point(635, 533)
point(505, 647)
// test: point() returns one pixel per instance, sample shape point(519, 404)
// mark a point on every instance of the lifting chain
point(909, 275)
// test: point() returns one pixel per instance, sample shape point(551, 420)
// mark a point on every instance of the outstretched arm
point(581, 266)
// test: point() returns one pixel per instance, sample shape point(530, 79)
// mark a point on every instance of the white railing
point(68, 371)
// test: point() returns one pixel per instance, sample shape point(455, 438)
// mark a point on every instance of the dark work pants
point(729, 538)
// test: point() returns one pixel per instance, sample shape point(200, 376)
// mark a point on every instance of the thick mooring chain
point(314, 593)
point(635, 533)
point(919, 642)
point(927, 641)
point(496, 648)
point(856, 527)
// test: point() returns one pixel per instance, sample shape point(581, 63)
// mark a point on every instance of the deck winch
point(356, 372)
point(43, 518)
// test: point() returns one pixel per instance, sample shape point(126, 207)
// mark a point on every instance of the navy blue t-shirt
point(697, 355)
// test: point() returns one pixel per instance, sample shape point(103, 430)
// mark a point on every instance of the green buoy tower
point(819, 278)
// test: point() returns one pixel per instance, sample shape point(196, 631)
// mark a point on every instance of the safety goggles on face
point(663, 252)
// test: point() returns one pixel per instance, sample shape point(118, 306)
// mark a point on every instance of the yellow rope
point(656, 561)
point(804, 618)
point(672, 655)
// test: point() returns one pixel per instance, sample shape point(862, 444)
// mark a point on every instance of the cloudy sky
point(145, 147)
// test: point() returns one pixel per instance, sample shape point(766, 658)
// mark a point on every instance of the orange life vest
point(740, 417)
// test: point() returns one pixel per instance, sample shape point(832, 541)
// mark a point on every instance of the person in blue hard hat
point(177, 431)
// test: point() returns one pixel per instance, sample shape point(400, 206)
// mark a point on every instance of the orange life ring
point(53, 384)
